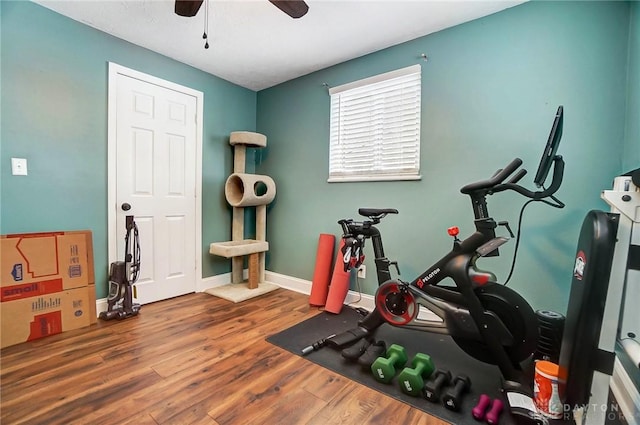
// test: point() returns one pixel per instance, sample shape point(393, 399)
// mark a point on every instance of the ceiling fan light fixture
point(189, 8)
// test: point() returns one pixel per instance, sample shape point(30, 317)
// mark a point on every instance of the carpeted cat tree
point(244, 190)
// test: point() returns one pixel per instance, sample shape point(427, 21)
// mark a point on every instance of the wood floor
point(195, 359)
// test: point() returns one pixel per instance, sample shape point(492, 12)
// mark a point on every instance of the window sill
point(354, 179)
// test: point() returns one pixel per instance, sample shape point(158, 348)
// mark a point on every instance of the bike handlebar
point(495, 184)
point(519, 175)
point(558, 172)
point(498, 178)
point(478, 192)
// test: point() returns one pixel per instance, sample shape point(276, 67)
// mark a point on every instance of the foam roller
point(339, 284)
point(322, 272)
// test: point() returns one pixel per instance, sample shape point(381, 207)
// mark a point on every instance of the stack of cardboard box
point(47, 284)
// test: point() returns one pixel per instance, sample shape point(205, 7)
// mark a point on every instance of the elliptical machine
point(122, 276)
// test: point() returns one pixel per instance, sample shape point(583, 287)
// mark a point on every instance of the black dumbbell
point(452, 399)
point(433, 387)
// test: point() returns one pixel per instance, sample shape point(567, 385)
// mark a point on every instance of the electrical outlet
point(362, 271)
point(19, 166)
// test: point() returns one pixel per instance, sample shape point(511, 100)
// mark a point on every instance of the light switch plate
point(19, 166)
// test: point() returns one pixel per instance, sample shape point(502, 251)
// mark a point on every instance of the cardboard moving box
point(40, 262)
point(36, 317)
point(46, 284)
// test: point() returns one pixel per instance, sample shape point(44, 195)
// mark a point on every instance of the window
point(375, 128)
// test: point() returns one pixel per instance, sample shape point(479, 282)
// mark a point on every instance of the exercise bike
point(488, 320)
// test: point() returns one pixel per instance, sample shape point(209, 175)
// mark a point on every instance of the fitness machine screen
point(550, 149)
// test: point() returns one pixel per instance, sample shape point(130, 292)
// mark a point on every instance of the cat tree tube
point(243, 190)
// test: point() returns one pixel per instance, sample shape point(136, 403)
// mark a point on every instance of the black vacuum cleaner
point(122, 276)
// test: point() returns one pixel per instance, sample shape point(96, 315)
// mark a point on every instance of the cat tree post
point(237, 225)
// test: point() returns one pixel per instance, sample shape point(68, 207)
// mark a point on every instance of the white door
point(155, 174)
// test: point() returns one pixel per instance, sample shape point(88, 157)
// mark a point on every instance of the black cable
point(359, 292)
point(557, 204)
point(515, 250)
point(135, 263)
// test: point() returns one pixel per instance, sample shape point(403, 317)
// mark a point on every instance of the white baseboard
point(353, 298)
point(203, 285)
point(214, 281)
point(101, 305)
point(626, 394)
point(291, 283)
point(303, 286)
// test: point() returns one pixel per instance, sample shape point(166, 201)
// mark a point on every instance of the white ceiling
point(255, 45)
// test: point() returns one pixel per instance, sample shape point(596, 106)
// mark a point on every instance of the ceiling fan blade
point(294, 8)
point(187, 8)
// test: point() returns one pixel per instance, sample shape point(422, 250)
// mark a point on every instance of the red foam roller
point(339, 284)
point(322, 272)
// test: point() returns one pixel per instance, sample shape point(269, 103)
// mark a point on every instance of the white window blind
point(375, 128)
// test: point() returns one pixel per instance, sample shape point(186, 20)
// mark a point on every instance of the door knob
point(126, 207)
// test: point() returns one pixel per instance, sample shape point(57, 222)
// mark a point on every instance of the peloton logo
point(581, 263)
point(428, 277)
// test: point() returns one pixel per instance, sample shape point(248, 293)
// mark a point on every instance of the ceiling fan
point(294, 8)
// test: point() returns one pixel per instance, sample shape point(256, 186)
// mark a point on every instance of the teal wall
point(489, 93)
point(490, 89)
point(54, 113)
point(631, 158)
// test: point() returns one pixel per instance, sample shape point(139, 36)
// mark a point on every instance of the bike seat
point(376, 212)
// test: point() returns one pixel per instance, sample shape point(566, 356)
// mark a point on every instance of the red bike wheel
point(395, 303)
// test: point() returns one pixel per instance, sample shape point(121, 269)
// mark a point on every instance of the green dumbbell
point(384, 368)
point(411, 379)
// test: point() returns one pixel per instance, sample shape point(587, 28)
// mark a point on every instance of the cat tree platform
point(238, 249)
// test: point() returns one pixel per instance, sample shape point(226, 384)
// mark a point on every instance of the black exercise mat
point(443, 350)
point(445, 353)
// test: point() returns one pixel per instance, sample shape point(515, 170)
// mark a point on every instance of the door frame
point(114, 71)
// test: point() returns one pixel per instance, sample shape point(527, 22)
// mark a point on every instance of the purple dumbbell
point(481, 407)
point(493, 415)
